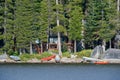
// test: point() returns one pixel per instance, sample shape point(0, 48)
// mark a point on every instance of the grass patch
point(43, 55)
point(84, 53)
point(26, 57)
point(66, 54)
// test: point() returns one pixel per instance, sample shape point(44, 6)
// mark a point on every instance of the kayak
point(102, 62)
point(48, 58)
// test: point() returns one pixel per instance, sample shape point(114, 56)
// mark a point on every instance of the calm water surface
point(59, 72)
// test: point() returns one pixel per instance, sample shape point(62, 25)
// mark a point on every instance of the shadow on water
point(59, 72)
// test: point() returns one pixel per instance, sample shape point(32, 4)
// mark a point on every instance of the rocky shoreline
point(63, 60)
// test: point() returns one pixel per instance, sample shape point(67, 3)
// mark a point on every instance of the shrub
point(11, 52)
point(64, 48)
point(66, 54)
point(43, 55)
point(25, 57)
point(84, 53)
point(53, 51)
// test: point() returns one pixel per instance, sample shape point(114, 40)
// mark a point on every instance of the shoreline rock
point(63, 60)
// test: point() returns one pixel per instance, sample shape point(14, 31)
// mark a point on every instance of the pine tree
point(43, 27)
point(1, 23)
point(24, 24)
point(32, 22)
point(75, 21)
point(107, 30)
point(58, 20)
point(98, 21)
point(7, 22)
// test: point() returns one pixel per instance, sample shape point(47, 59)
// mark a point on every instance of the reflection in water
point(59, 72)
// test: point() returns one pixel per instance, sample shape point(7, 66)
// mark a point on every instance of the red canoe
point(48, 58)
point(102, 62)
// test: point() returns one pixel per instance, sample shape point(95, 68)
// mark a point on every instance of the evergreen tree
point(99, 15)
point(24, 21)
point(43, 27)
point(75, 21)
point(59, 17)
point(7, 22)
point(1, 13)
point(32, 23)
point(108, 30)
point(1, 23)
point(24, 24)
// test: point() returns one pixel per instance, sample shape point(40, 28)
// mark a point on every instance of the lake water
point(59, 72)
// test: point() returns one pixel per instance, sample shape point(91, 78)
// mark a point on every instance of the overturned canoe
point(48, 58)
point(16, 58)
point(89, 59)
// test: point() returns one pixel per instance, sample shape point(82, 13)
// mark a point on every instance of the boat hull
point(48, 58)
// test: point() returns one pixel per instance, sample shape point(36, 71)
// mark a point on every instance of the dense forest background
point(91, 22)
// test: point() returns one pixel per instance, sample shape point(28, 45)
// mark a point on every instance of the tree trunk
point(118, 4)
point(31, 51)
point(20, 51)
point(110, 44)
point(74, 46)
point(14, 43)
point(5, 12)
point(14, 37)
point(82, 44)
point(5, 52)
point(41, 47)
point(49, 22)
point(82, 33)
point(59, 40)
point(59, 44)
point(118, 9)
point(24, 50)
point(103, 45)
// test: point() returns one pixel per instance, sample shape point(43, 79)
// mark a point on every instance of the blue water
point(59, 72)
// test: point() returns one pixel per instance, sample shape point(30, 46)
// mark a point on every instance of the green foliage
point(43, 20)
point(25, 57)
point(25, 21)
point(75, 21)
point(11, 52)
point(43, 55)
point(59, 29)
point(53, 51)
point(7, 23)
point(84, 53)
point(98, 20)
point(66, 54)
point(64, 47)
